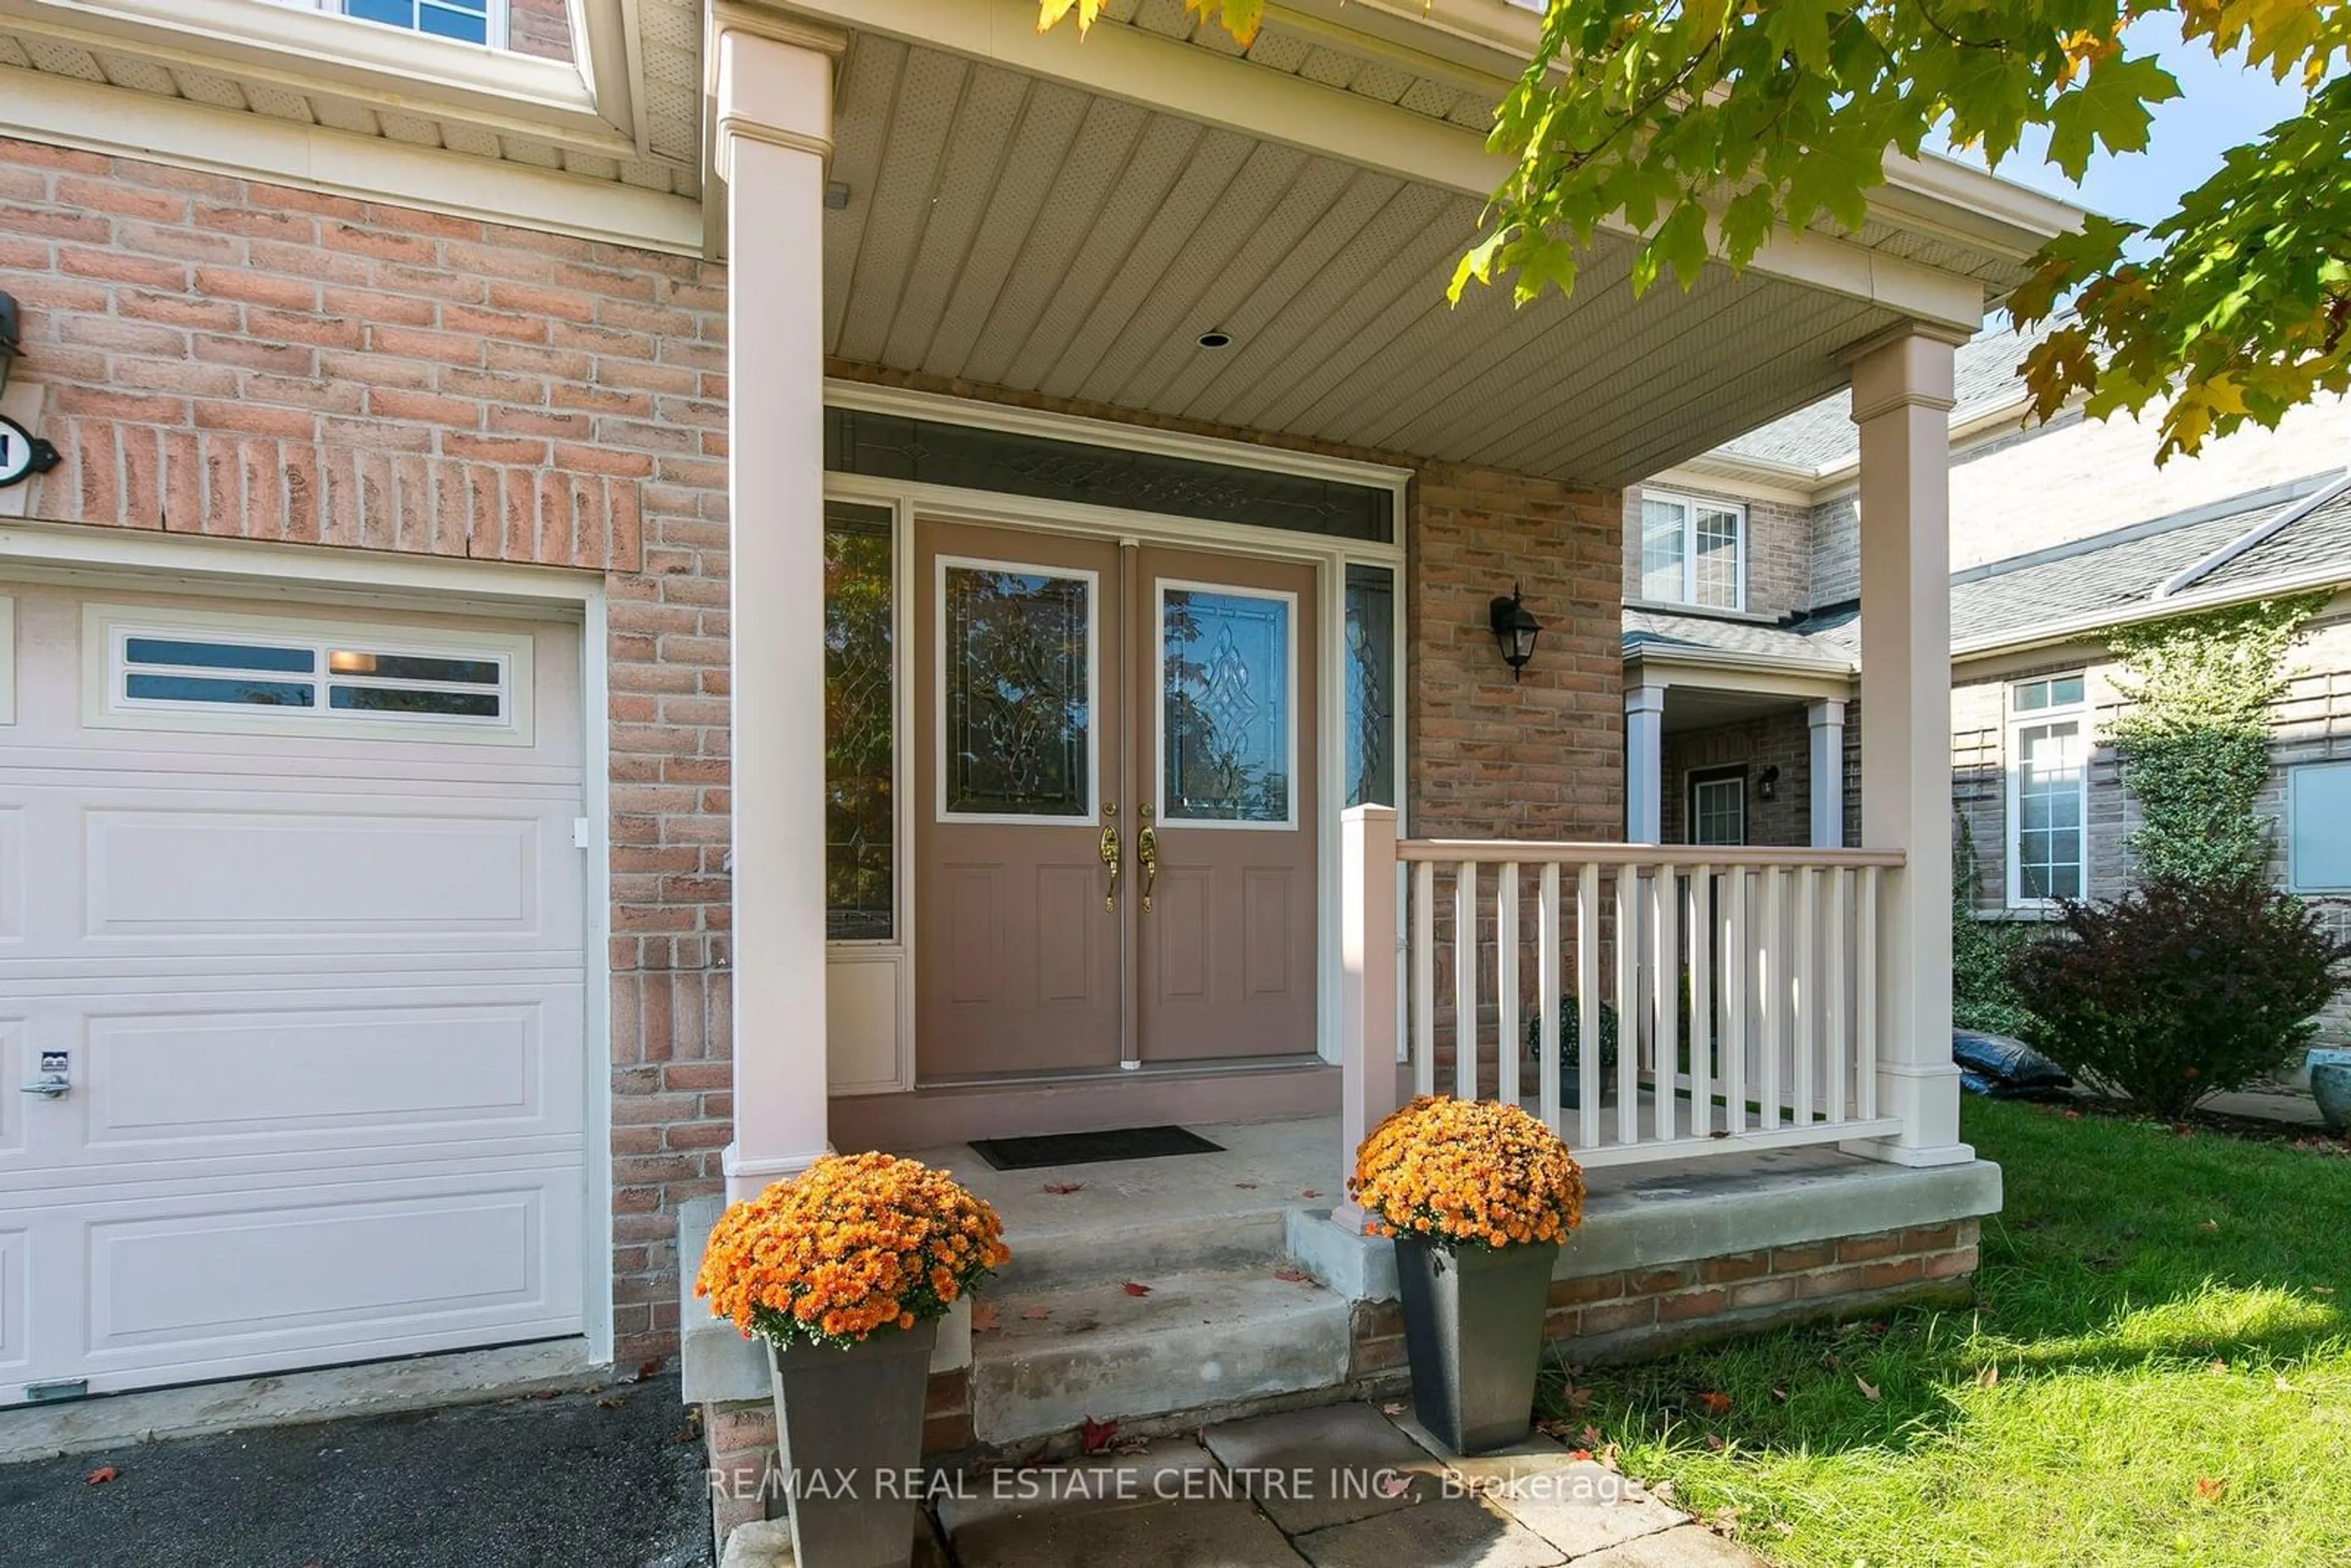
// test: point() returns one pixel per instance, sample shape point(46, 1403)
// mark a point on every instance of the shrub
point(1472, 1172)
point(1983, 953)
point(2181, 988)
point(854, 1245)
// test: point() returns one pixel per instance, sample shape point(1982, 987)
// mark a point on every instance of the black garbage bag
point(2002, 1068)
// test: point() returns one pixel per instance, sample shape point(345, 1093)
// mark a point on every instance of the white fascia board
point(1777, 483)
point(39, 107)
point(309, 51)
point(613, 72)
point(1179, 79)
point(1725, 671)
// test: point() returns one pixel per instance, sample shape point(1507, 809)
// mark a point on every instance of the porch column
point(1644, 765)
point(1367, 986)
point(1828, 774)
point(774, 92)
point(1902, 398)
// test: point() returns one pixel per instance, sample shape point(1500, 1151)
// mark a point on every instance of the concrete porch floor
point(1335, 1486)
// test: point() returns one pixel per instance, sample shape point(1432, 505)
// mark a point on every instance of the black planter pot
point(849, 1423)
point(1473, 1321)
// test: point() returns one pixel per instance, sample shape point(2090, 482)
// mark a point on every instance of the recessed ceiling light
point(1213, 338)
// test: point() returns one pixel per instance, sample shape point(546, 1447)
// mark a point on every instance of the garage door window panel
point(323, 680)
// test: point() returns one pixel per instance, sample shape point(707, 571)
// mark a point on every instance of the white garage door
point(289, 903)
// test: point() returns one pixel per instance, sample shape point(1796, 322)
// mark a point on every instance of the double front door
point(1116, 804)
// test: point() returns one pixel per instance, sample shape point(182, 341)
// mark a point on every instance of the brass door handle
point(1146, 850)
point(1110, 857)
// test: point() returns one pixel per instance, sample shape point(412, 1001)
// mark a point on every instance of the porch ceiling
point(1007, 229)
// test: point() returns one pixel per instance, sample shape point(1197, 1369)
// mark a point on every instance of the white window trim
point(1698, 778)
point(1159, 591)
point(2016, 722)
point(496, 25)
point(7, 660)
point(2294, 778)
point(106, 629)
point(1093, 579)
point(1690, 506)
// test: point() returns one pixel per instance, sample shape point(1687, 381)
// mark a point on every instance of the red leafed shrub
point(2181, 988)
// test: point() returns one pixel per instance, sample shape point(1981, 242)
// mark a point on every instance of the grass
point(2157, 1371)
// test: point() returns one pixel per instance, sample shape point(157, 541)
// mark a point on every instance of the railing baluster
point(1836, 1057)
point(1865, 1006)
point(1804, 1032)
point(1424, 978)
point(1628, 1005)
point(1665, 996)
point(1546, 957)
point(1701, 1029)
point(1587, 1005)
point(1507, 1043)
point(1735, 1001)
point(1770, 967)
point(1465, 981)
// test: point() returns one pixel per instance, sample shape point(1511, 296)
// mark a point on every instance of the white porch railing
point(1743, 985)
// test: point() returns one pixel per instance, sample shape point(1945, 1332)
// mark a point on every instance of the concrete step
point(1202, 1338)
point(1108, 1250)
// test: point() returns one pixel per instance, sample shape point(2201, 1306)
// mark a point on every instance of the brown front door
point(1073, 695)
point(1018, 721)
point(1226, 714)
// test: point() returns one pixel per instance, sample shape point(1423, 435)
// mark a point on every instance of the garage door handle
point(52, 1087)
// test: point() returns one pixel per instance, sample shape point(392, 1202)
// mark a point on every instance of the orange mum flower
point(1474, 1171)
point(854, 1244)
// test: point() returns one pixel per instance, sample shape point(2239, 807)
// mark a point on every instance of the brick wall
point(1779, 551)
point(230, 358)
point(541, 27)
point(1623, 1315)
point(1781, 739)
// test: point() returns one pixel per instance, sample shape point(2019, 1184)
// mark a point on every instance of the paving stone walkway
point(1342, 1486)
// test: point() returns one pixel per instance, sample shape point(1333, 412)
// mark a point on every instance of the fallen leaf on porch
point(1714, 1445)
point(608, 1405)
point(1063, 1188)
point(547, 1393)
point(984, 1318)
point(646, 1369)
point(1720, 1133)
point(1134, 1289)
point(1579, 1454)
point(1394, 1485)
point(1715, 1403)
point(1134, 1446)
point(1869, 1391)
point(1034, 1314)
point(1989, 1377)
point(1097, 1435)
point(1293, 1276)
point(1312, 1192)
point(2208, 1489)
point(1396, 1408)
point(1246, 1186)
point(101, 1476)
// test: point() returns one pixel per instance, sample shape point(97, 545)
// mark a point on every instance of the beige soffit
point(343, 78)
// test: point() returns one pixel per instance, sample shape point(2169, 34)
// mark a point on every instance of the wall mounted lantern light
point(1515, 628)
point(1767, 786)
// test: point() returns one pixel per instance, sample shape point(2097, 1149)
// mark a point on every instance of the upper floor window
point(1693, 552)
point(2048, 791)
point(467, 21)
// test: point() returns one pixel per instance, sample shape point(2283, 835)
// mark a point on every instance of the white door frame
point(79, 555)
point(1329, 555)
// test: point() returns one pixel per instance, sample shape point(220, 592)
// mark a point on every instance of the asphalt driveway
point(609, 1478)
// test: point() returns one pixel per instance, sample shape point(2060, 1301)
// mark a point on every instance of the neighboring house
point(621, 575)
point(1742, 633)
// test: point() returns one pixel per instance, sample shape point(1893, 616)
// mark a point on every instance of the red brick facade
point(232, 358)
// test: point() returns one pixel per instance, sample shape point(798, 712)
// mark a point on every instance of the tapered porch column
point(1827, 768)
point(1902, 398)
point(1645, 764)
point(774, 90)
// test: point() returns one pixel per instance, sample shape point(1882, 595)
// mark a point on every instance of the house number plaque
point(22, 454)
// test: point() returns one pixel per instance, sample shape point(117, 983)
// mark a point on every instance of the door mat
point(1091, 1148)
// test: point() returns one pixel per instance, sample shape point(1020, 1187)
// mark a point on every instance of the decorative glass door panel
point(1226, 926)
point(1227, 712)
point(1018, 962)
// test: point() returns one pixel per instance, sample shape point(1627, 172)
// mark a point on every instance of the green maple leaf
point(2112, 109)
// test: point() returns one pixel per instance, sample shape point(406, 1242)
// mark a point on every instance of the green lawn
point(2158, 1370)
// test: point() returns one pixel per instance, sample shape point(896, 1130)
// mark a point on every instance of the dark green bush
point(2181, 988)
